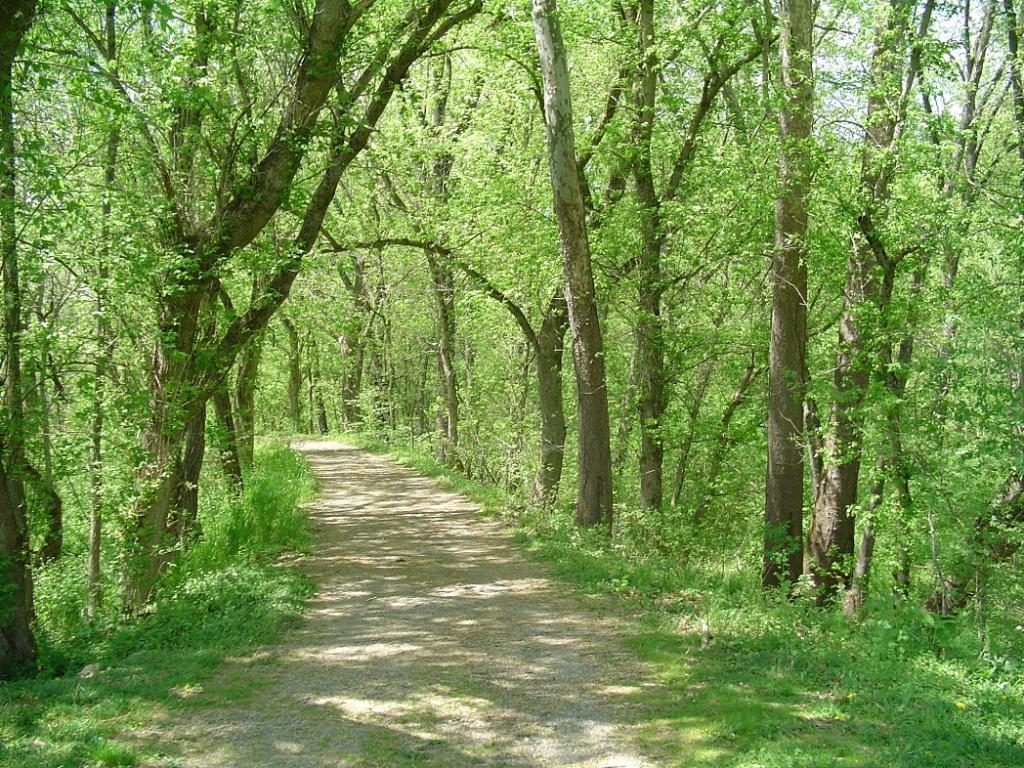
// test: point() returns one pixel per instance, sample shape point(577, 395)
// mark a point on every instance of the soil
point(431, 641)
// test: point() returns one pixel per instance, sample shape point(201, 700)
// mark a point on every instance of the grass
point(749, 681)
point(226, 596)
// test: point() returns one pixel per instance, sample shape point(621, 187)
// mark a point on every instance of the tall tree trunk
point(51, 505)
point(649, 340)
point(357, 335)
point(784, 482)
point(352, 350)
point(321, 413)
point(149, 548)
point(443, 281)
point(548, 347)
point(549, 355)
point(310, 389)
point(294, 375)
point(17, 641)
point(594, 502)
point(151, 541)
point(104, 343)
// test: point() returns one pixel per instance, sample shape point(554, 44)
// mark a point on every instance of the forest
point(719, 305)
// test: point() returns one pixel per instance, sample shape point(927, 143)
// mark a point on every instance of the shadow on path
point(431, 641)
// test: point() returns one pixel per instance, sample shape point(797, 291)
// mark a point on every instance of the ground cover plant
point(104, 679)
point(747, 681)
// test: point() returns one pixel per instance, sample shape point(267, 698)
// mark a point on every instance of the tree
point(17, 642)
point(784, 486)
point(186, 368)
point(831, 538)
point(652, 280)
point(594, 501)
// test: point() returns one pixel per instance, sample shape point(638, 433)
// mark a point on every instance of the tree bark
point(549, 354)
point(51, 505)
point(294, 375)
point(784, 482)
point(185, 513)
point(594, 501)
point(321, 413)
point(17, 641)
point(446, 417)
point(245, 402)
point(443, 280)
point(649, 340)
point(352, 351)
point(227, 436)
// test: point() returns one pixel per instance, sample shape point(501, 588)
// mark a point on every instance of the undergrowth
point(105, 677)
point(749, 680)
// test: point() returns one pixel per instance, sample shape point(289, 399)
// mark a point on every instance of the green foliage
point(265, 521)
point(225, 596)
point(749, 680)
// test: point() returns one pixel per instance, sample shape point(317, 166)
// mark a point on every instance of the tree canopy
point(781, 243)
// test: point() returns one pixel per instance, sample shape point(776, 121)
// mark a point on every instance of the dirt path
point(431, 641)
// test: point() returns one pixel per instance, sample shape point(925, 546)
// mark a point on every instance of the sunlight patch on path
point(431, 641)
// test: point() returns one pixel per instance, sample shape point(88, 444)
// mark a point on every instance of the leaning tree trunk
point(151, 542)
point(784, 482)
point(17, 641)
point(184, 370)
point(594, 502)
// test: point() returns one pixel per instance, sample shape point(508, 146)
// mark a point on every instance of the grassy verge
point(227, 595)
point(751, 682)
